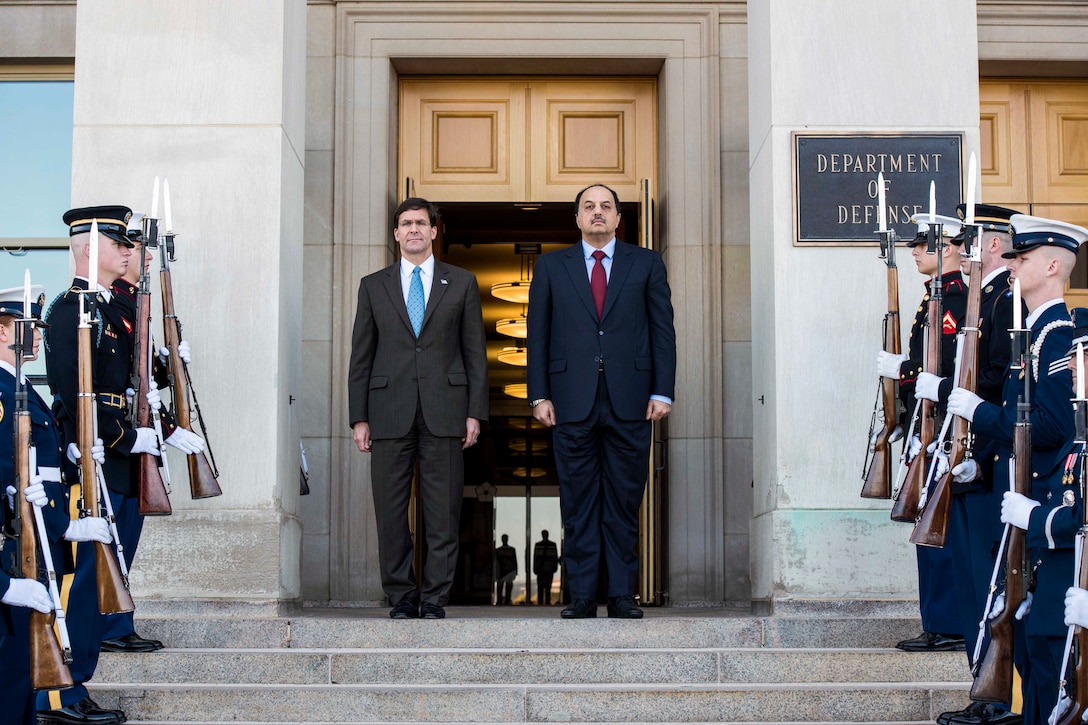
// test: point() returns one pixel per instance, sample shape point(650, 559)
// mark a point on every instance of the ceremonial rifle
point(113, 594)
point(49, 658)
point(993, 675)
point(203, 476)
point(907, 503)
point(932, 526)
point(878, 478)
point(1076, 641)
point(153, 497)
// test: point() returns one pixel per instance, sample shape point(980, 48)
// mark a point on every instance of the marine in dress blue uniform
point(937, 605)
point(16, 694)
point(1042, 258)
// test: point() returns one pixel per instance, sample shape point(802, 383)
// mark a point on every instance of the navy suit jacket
point(634, 338)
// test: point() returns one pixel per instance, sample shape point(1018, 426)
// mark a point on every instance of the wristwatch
point(537, 402)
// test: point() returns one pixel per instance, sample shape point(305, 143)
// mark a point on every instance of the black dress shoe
point(407, 608)
point(623, 608)
point(130, 643)
point(580, 609)
point(986, 715)
point(83, 712)
point(945, 717)
point(932, 642)
point(431, 611)
point(119, 713)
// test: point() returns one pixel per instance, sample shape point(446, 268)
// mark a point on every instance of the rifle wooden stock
point(993, 683)
point(878, 481)
point(202, 480)
point(906, 505)
point(932, 526)
point(113, 594)
point(905, 508)
point(48, 670)
point(152, 495)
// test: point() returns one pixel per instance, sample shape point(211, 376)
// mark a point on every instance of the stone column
point(211, 95)
point(839, 66)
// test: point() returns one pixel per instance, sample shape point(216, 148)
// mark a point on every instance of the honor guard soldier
point(119, 634)
point(111, 361)
point(941, 626)
point(1041, 261)
point(974, 527)
point(45, 490)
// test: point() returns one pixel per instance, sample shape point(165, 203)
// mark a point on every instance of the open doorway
point(510, 482)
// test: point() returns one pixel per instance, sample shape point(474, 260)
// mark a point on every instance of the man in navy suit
point(602, 366)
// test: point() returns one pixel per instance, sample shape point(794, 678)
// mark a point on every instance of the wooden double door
point(1034, 155)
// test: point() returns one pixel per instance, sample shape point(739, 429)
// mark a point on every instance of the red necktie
point(598, 282)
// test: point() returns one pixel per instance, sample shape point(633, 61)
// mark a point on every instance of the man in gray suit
point(417, 391)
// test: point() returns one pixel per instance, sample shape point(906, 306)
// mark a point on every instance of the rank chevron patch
point(948, 324)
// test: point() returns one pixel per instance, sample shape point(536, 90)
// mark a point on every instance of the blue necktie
point(415, 301)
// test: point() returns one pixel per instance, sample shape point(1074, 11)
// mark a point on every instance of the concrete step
point(529, 666)
point(676, 629)
point(779, 702)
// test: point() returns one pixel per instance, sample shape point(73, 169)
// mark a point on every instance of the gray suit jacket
point(446, 367)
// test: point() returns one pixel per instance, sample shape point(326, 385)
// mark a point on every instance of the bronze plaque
point(835, 183)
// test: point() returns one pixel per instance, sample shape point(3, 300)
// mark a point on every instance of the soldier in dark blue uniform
point(111, 361)
point(941, 626)
point(1043, 256)
point(974, 527)
point(45, 491)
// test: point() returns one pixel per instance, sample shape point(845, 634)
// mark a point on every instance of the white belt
point(50, 474)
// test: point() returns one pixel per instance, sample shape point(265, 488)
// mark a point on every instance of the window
point(35, 178)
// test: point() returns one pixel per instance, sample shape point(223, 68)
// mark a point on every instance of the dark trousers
point(601, 463)
point(544, 589)
point(974, 534)
point(86, 627)
point(130, 525)
point(936, 592)
point(16, 695)
point(442, 478)
point(1041, 683)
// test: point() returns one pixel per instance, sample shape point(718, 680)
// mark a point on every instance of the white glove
point(888, 364)
point(915, 447)
point(1025, 606)
point(897, 434)
point(35, 492)
point(147, 441)
point(998, 606)
point(28, 593)
point(185, 441)
point(1076, 607)
point(1062, 707)
point(1016, 509)
point(98, 452)
point(965, 472)
point(928, 386)
point(129, 395)
point(154, 399)
point(91, 528)
point(183, 352)
point(963, 403)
